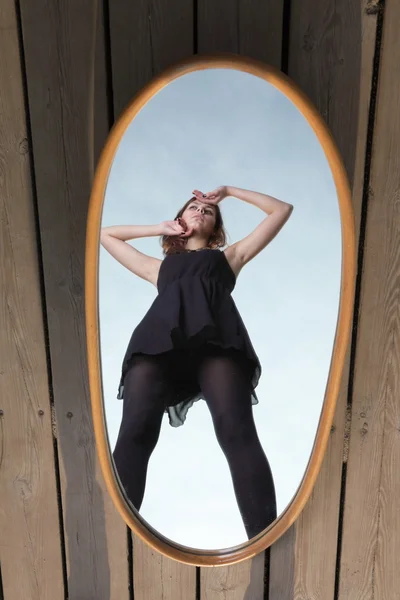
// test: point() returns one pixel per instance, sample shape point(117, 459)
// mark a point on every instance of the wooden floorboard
point(331, 49)
point(247, 27)
point(68, 121)
point(147, 37)
point(157, 577)
point(30, 545)
point(254, 29)
point(371, 535)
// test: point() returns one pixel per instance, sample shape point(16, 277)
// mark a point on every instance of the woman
point(192, 344)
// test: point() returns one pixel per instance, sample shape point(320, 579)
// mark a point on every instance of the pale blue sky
point(205, 129)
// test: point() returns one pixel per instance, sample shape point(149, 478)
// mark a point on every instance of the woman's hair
point(172, 243)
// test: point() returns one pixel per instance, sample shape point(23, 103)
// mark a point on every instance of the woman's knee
point(233, 431)
point(144, 391)
point(141, 430)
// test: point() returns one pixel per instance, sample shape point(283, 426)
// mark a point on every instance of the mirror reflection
point(219, 290)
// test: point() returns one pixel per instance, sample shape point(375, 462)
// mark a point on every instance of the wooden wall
point(67, 69)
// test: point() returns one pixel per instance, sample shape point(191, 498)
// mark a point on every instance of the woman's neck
point(195, 244)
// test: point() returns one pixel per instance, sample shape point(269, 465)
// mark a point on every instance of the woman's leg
point(226, 389)
point(145, 387)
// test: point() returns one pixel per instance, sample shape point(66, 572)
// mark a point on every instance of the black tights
point(226, 390)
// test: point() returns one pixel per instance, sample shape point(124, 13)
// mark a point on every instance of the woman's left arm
point(242, 251)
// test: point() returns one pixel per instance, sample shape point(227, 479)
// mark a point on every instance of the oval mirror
point(219, 287)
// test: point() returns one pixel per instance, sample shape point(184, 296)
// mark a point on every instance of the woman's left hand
point(213, 197)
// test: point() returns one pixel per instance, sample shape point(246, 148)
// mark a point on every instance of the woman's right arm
point(114, 240)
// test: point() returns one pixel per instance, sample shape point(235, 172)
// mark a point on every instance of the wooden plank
point(63, 55)
point(371, 538)
point(280, 583)
point(157, 577)
point(244, 581)
point(331, 51)
point(248, 27)
point(254, 29)
point(147, 37)
point(30, 549)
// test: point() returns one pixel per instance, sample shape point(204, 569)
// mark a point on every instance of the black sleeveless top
point(193, 309)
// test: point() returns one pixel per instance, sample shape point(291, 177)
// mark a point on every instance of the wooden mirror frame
point(138, 525)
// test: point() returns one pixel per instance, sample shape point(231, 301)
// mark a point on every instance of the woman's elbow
point(104, 236)
point(287, 212)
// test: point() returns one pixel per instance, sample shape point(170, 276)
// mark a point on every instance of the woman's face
point(200, 216)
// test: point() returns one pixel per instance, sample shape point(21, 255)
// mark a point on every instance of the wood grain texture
point(30, 551)
point(157, 577)
point(248, 27)
point(147, 36)
point(325, 60)
point(371, 536)
point(331, 50)
point(255, 29)
point(280, 583)
point(66, 109)
point(244, 581)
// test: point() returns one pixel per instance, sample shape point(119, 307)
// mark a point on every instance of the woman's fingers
point(199, 195)
point(187, 233)
point(180, 225)
point(180, 228)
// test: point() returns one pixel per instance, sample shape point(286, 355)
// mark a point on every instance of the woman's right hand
point(175, 228)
